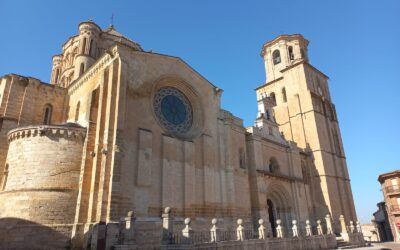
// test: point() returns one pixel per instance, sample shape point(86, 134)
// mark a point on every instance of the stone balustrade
point(242, 236)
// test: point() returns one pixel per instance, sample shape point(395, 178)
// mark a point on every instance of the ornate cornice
point(64, 131)
point(385, 176)
point(282, 37)
point(279, 176)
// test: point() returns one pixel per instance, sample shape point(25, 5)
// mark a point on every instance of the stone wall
point(22, 102)
point(41, 187)
point(356, 239)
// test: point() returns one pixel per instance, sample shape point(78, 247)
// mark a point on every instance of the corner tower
point(82, 50)
point(306, 115)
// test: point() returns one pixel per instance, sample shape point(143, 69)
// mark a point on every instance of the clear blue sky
point(356, 43)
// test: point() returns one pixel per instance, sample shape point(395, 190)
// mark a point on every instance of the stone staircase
point(341, 244)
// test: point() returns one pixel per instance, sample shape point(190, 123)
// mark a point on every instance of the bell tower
point(283, 52)
point(306, 115)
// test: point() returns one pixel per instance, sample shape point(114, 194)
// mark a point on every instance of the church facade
point(122, 129)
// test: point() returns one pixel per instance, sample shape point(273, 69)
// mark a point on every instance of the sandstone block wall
point(22, 102)
point(41, 186)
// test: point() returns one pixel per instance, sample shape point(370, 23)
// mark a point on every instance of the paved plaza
point(381, 246)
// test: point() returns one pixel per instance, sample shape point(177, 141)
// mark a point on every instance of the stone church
point(121, 129)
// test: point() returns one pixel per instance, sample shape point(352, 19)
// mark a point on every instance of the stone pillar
point(279, 229)
point(240, 230)
point(328, 224)
point(261, 229)
point(359, 229)
point(342, 224)
point(187, 232)
point(167, 225)
point(294, 229)
point(308, 228)
point(319, 228)
point(343, 233)
point(351, 227)
point(128, 231)
point(214, 230)
point(129, 220)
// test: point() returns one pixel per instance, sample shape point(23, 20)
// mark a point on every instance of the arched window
point(77, 111)
point(48, 110)
point(84, 46)
point(273, 165)
point(284, 97)
point(304, 172)
point(81, 69)
point(276, 56)
point(91, 47)
point(291, 55)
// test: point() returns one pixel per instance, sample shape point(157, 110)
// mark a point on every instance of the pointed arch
point(282, 204)
point(84, 46)
point(91, 47)
point(81, 69)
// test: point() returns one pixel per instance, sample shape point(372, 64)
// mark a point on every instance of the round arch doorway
point(279, 206)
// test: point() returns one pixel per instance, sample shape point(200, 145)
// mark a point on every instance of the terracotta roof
point(111, 30)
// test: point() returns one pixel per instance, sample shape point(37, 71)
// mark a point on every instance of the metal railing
point(230, 235)
point(205, 237)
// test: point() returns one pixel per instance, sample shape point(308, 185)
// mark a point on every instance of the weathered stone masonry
point(121, 129)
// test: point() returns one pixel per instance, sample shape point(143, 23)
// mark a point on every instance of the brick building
point(391, 191)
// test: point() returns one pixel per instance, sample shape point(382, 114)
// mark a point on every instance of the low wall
point(125, 234)
point(356, 239)
point(156, 233)
point(307, 243)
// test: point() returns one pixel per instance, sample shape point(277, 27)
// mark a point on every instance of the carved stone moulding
point(68, 131)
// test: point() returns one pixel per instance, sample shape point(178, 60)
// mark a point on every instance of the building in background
point(370, 232)
point(381, 223)
point(391, 193)
point(120, 129)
